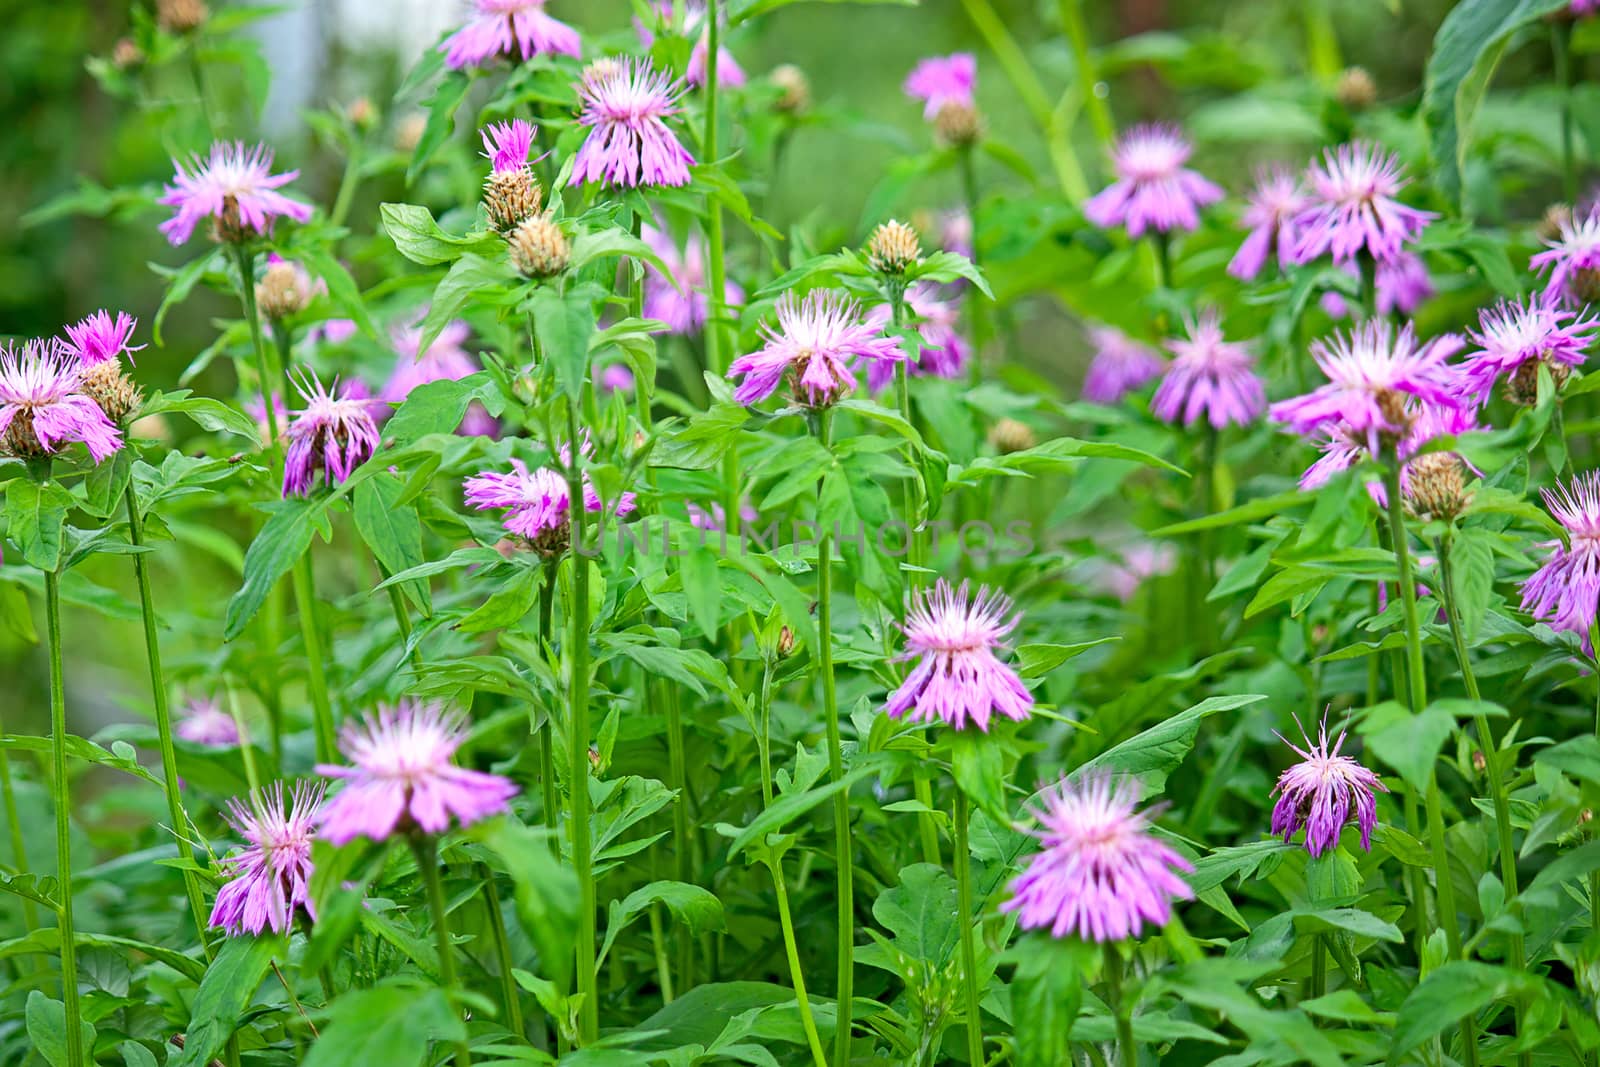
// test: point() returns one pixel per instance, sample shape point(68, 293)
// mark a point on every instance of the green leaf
point(1408, 743)
point(225, 992)
point(434, 408)
point(546, 893)
point(393, 1024)
point(791, 806)
point(921, 912)
point(37, 888)
point(36, 514)
point(420, 239)
point(1455, 991)
point(949, 267)
point(180, 283)
point(977, 762)
point(441, 107)
point(393, 531)
point(467, 277)
point(286, 535)
point(120, 756)
point(47, 942)
point(342, 289)
point(740, 10)
point(1250, 511)
point(691, 905)
point(47, 1029)
point(1057, 456)
point(592, 245)
point(1150, 756)
point(507, 605)
point(1046, 993)
point(1472, 573)
point(701, 444)
point(563, 323)
point(702, 587)
point(1036, 661)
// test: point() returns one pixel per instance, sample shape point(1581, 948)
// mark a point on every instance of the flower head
point(1514, 338)
point(101, 339)
point(537, 502)
point(942, 80)
point(729, 74)
point(1565, 590)
point(271, 878)
point(626, 104)
point(942, 351)
point(404, 776)
point(508, 145)
point(958, 680)
point(203, 722)
point(679, 296)
point(1319, 791)
point(43, 405)
point(1354, 207)
point(234, 187)
point(1209, 377)
point(1275, 202)
point(335, 432)
point(1573, 259)
point(1120, 366)
point(508, 28)
point(1153, 190)
point(444, 360)
point(1135, 564)
point(1402, 284)
point(615, 378)
point(511, 193)
point(1101, 874)
point(814, 345)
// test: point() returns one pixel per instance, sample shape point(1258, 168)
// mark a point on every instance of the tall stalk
point(63, 810)
point(969, 949)
point(1127, 1050)
point(578, 742)
point(547, 734)
point(792, 954)
point(502, 951)
point(1105, 129)
point(683, 842)
point(426, 850)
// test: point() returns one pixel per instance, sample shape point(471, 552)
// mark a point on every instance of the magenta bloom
point(716, 520)
point(1402, 283)
point(1354, 207)
point(679, 297)
point(1153, 190)
point(1120, 366)
point(1137, 563)
point(957, 679)
point(271, 878)
point(955, 234)
point(816, 341)
point(100, 338)
point(335, 433)
point(615, 378)
point(1319, 791)
point(1275, 202)
point(1209, 377)
point(1583, 8)
point(1522, 334)
point(42, 406)
point(507, 145)
point(942, 80)
point(508, 28)
point(235, 186)
point(942, 351)
point(205, 723)
point(1101, 874)
point(626, 104)
point(1572, 259)
point(729, 74)
point(537, 502)
point(403, 776)
point(444, 360)
point(1565, 590)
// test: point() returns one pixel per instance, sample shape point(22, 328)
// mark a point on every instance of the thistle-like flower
point(1120, 366)
point(1354, 209)
point(510, 193)
point(942, 351)
point(334, 433)
point(508, 28)
point(1153, 190)
point(43, 406)
point(679, 297)
point(1402, 284)
point(814, 345)
point(99, 338)
point(958, 680)
point(626, 104)
point(404, 776)
point(537, 502)
point(1275, 202)
point(1515, 338)
point(1101, 874)
point(1320, 791)
point(1565, 590)
point(729, 74)
point(940, 81)
point(1209, 377)
point(203, 722)
point(271, 879)
point(235, 188)
point(893, 247)
point(1573, 259)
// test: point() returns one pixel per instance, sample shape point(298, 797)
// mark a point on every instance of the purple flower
point(205, 723)
point(716, 520)
point(1120, 366)
point(729, 74)
point(256, 408)
point(1402, 283)
point(955, 234)
point(815, 344)
point(271, 878)
point(444, 360)
point(101, 339)
point(1583, 8)
point(1138, 563)
point(1565, 589)
point(506, 28)
point(1101, 874)
point(1275, 202)
point(1515, 337)
point(942, 80)
point(626, 103)
point(679, 297)
point(1318, 792)
point(507, 145)
point(616, 378)
point(335, 432)
point(235, 187)
point(403, 776)
point(1354, 207)
point(1572, 259)
point(957, 679)
point(941, 352)
point(1210, 378)
point(1371, 371)
point(536, 502)
point(1153, 190)
point(43, 407)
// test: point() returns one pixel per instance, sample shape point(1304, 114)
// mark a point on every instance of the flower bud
point(1479, 762)
point(111, 389)
point(796, 89)
point(125, 55)
point(1009, 435)
point(284, 290)
point(538, 247)
point(181, 16)
point(1522, 387)
point(510, 197)
point(1436, 486)
point(958, 124)
point(1356, 90)
point(785, 642)
point(893, 247)
point(361, 113)
point(1556, 218)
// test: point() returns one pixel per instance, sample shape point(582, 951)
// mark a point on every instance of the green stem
point(244, 260)
point(316, 681)
point(977, 309)
point(682, 843)
point(796, 975)
point(716, 269)
point(426, 850)
point(63, 809)
point(1561, 45)
point(347, 184)
point(962, 861)
point(502, 951)
point(402, 617)
point(1105, 130)
point(1120, 1009)
point(764, 741)
point(198, 75)
point(158, 695)
point(1322, 45)
point(1319, 967)
point(547, 734)
point(578, 746)
point(663, 968)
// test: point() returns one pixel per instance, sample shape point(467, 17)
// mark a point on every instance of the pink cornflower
point(1209, 377)
point(1402, 284)
point(626, 104)
point(1573, 259)
point(1319, 792)
point(507, 145)
point(1354, 207)
point(508, 28)
point(335, 432)
point(1343, 447)
point(1275, 202)
point(615, 378)
point(43, 407)
point(1565, 590)
point(1120, 366)
point(1153, 190)
point(1101, 874)
point(100, 339)
point(955, 234)
point(729, 74)
point(814, 345)
point(205, 723)
point(444, 360)
point(403, 776)
point(537, 502)
point(1136, 564)
point(271, 879)
point(942, 80)
point(235, 187)
point(679, 297)
point(957, 679)
point(942, 351)
point(1514, 337)
point(1371, 370)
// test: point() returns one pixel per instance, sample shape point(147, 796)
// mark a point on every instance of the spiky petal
point(942, 80)
point(445, 359)
point(1565, 590)
point(1153, 190)
point(958, 680)
point(271, 879)
point(1525, 333)
point(679, 297)
point(1210, 378)
point(815, 344)
point(203, 722)
point(1275, 202)
point(1120, 366)
point(508, 28)
point(1354, 209)
point(334, 433)
point(99, 338)
point(1321, 791)
point(729, 74)
point(235, 187)
point(1573, 260)
point(626, 104)
point(43, 406)
point(508, 145)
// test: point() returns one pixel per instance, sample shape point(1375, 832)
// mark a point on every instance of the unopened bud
point(594, 757)
point(361, 112)
point(125, 55)
point(408, 134)
point(538, 247)
point(114, 392)
point(958, 124)
point(181, 16)
point(510, 197)
point(1356, 89)
point(785, 642)
point(1557, 217)
point(1585, 817)
point(796, 89)
point(1008, 435)
point(893, 247)
point(1522, 386)
point(228, 226)
point(1480, 763)
point(284, 290)
point(1436, 486)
